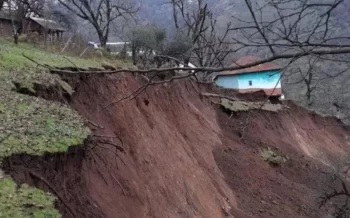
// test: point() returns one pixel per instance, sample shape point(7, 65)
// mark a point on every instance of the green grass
point(25, 202)
point(30, 125)
point(11, 56)
point(34, 126)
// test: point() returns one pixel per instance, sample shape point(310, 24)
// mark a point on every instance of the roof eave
point(228, 74)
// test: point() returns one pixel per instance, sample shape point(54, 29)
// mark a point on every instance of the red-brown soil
point(313, 144)
point(184, 157)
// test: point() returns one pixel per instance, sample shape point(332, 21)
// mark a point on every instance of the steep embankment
point(171, 153)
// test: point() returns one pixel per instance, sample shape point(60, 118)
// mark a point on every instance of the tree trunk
point(133, 51)
point(103, 39)
point(100, 38)
point(15, 38)
point(1, 4)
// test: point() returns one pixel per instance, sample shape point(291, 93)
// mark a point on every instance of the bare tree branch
point(100, 14)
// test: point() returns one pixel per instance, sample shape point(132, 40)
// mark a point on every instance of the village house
point(264, 77)
point(43, 26)
point(6, 25)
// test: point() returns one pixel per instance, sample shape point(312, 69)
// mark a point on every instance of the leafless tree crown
point(101, 14)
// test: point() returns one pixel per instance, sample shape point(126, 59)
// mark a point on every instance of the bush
point(272, 157)
point(101, 52)
point(179, 46)
point(147, 38)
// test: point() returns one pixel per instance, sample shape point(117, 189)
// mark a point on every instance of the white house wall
point(259, 80)
point(267, 80)
point(227, 81)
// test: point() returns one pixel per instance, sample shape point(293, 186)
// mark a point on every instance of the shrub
point(101, 52)
point(147, 38)
point(273, 157)
point(181, 45)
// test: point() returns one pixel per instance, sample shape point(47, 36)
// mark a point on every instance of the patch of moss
point(25, 202)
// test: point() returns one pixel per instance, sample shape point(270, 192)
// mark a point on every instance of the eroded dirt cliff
point(171, 153)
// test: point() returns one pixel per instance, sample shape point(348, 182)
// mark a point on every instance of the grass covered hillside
point(31, 125)
point(28, 124)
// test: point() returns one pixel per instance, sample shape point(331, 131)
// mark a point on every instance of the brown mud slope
point(316, 148)
point(183, 157)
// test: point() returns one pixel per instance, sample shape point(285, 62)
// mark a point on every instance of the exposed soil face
point(293, 189)
point(170, 153)
point(168, 134)
point(59, 174)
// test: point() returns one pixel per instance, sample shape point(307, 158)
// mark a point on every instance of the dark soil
point(60, 174)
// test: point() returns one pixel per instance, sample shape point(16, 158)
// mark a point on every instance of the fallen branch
point(94, 124)
point(37, 63)
point(105, 136)
point(328, 196)
point(119, 148)
point(340, 50)
point(109, 170)
point(134, 94)
point(116, 180)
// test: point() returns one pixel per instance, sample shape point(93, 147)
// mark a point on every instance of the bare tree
point(316, 75)
point(339, 195)
point(309, 75)
point(146, 42)
point(275, 29)
point(2, 4)
point(30, 7)
point(20, 9)
point(101, 13)
point(289, 26)
point(195, 20)
point(10, 5)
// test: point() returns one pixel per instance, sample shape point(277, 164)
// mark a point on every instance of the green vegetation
point(273, 157)
point(34, 126)
point(11, 56)
point(31, 125)
point(25, 202)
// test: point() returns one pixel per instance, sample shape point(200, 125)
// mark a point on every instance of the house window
point(250, 83)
